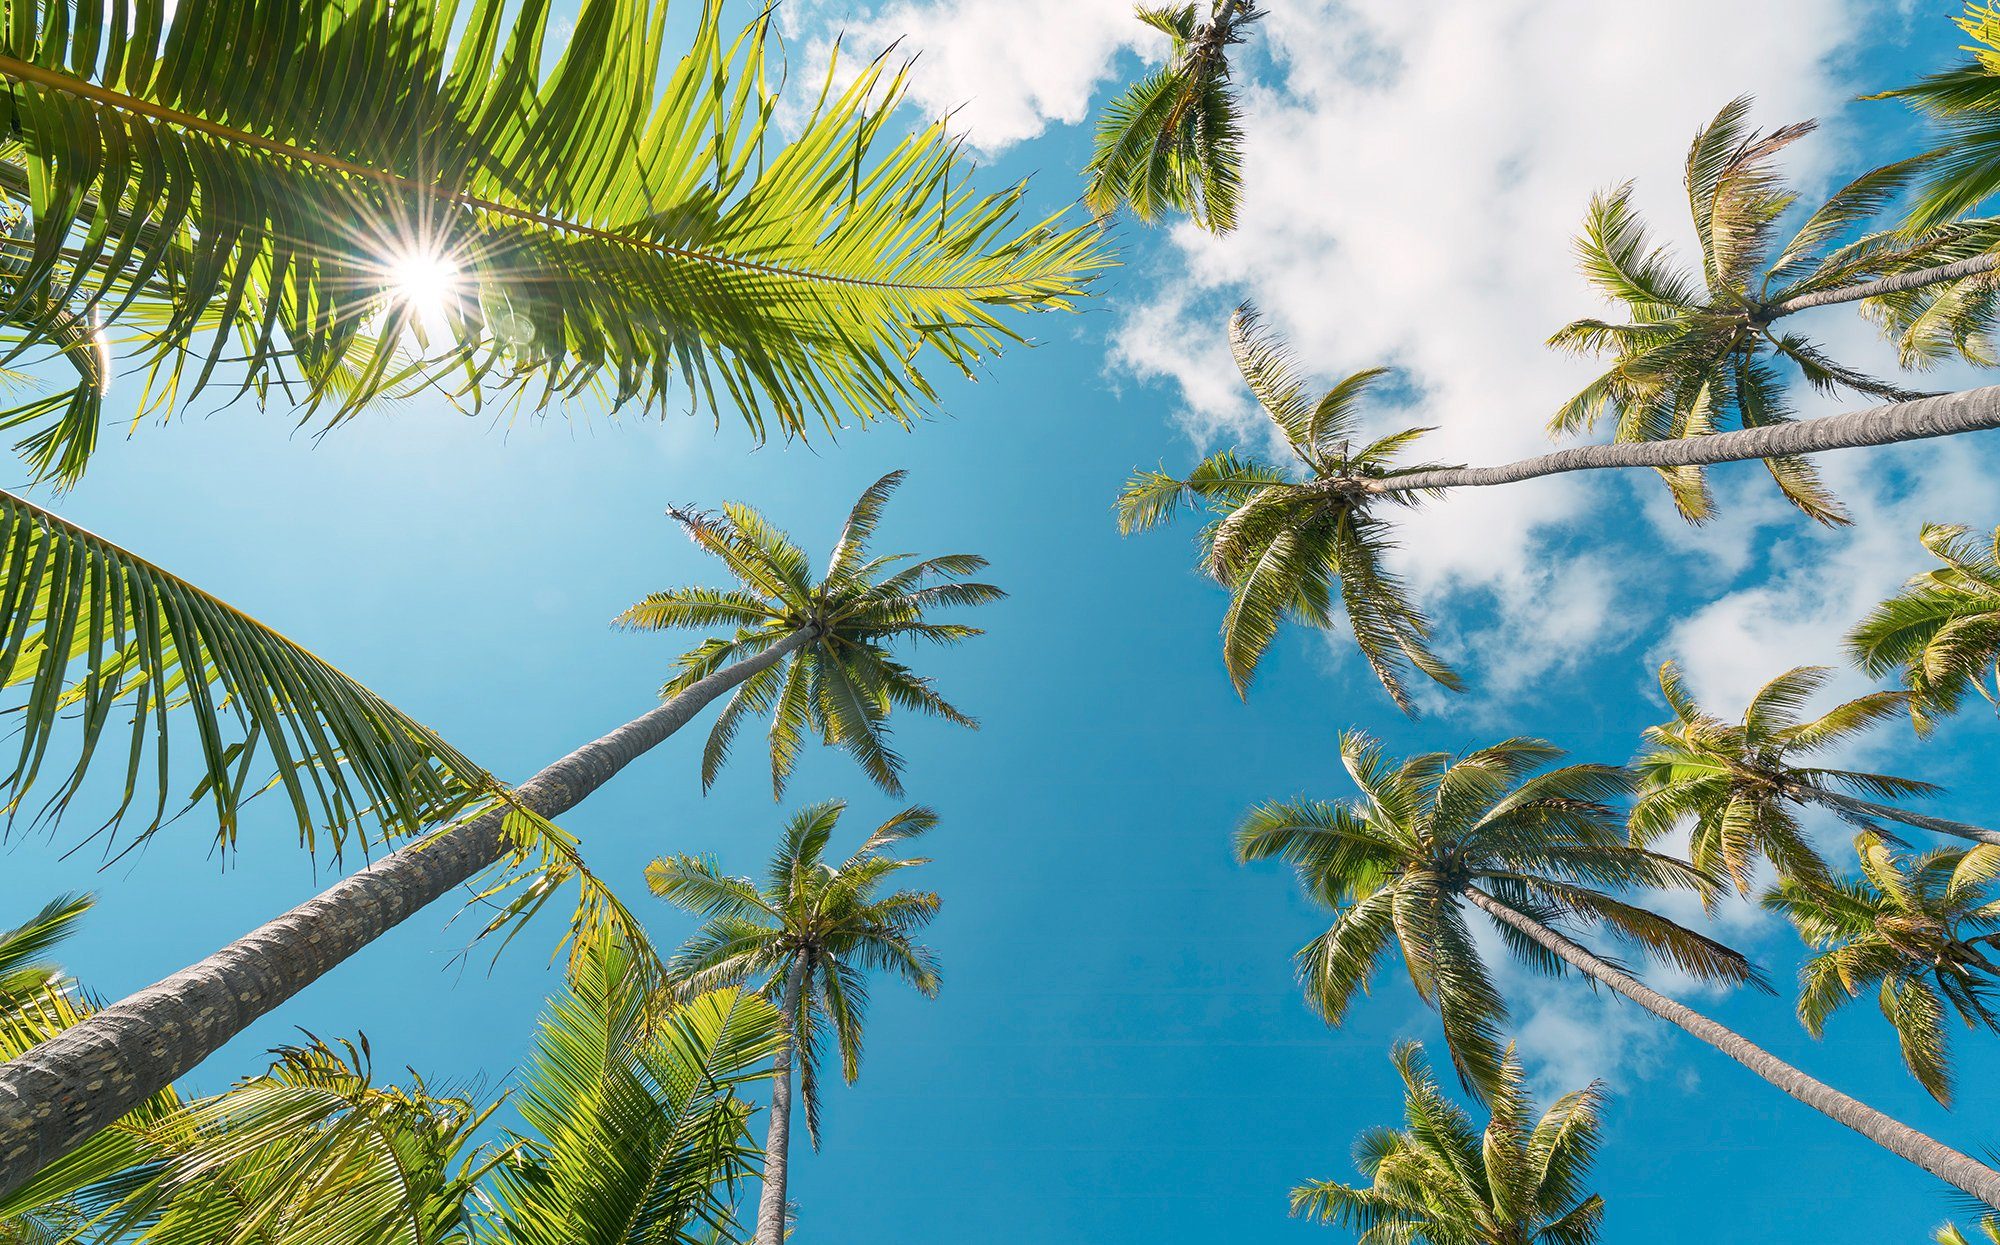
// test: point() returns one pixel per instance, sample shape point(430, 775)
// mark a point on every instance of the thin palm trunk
point(1886, 285)
point(1941, 415)
point(1942, 1161)
point(771, 1199)
point(55, 1096)
point(1887, 812)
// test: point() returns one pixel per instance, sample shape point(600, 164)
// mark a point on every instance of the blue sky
point(1120, 1053)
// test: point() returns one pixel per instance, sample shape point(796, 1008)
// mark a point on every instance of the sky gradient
point(1120, 1053)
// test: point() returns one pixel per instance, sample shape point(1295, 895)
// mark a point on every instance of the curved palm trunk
point(1886, 285)
point(59, 1093)
point(1942, 1161)
point(1889, 812)
point(1943, 415)
point(771, 1199)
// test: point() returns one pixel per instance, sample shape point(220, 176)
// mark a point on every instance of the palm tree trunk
point(1888, 812)
point(1942, 415)
point(1940, 1160)
point(772, 1204)
point(56, 1095)
point(1886, 285)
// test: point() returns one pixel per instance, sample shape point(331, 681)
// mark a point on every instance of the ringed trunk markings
point(60, 1093)
point(1940, 1160)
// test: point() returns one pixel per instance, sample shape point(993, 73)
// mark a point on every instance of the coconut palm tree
point(1172, 141)
point(450, 199)
point(841, 628)
point(1700, 352)
point(1283, 539)
point(634, 1130)
point(1739, 784)
point(1440, 1180)
point(1941, 633)
point(807, 937)
point(1963, 170)
point(1922, 929)
point(1535, 852)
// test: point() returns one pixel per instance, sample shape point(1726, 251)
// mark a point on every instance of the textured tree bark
point(59, 1093)
point(771, 1200)
point(1940, 1160)
point(1887, 812)
point(1940, 416)
point(1886, 285)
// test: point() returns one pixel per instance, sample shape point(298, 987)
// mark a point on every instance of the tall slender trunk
point(1918, 419)
point(1896, 284)
point(1888, 812)
point(56, 1095)
point(1942, 1161)
point(771, 1200)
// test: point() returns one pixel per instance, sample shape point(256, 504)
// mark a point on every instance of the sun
point(425, 282)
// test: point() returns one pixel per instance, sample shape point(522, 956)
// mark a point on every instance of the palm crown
point(811, 931)
point(1397, 864)
point(1700, 354)
point(1739, 783)
point(1172, 141)
point(1442, 1181)
point(1284, 540)
point(1942, 631)
point(843, 683)
point(1921, 929)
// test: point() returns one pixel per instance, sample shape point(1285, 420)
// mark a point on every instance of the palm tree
point(1739, 783)
point(1172, 141)
point(24, 974)
point(1920, 929)
point(445, 198)
point(1534, 852)
point(1282, 539)
point(1700, 352)
point(634, 1131)
point(1440, 1181)
point(807, 937)
point(1942, 631)
point(1964, 102)
point(840, 628)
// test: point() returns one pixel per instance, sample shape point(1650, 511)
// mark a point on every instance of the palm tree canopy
point(300, 204)
point(1441, 1180)
point(1963, 101)
point(830, 924)
point(1988, 1229)
point(1921, 929)
point(1739, 783)
point(845, 683)
point(1942, 631)
point(634, 1131)
point(1394, 863)
point(1282, 539)
point(1699, 353)
point(1173, 142)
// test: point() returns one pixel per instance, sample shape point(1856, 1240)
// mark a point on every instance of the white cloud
point(1009, 68)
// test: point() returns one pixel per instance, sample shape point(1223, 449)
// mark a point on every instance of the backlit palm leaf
point(263, 184)
point(1285, 541)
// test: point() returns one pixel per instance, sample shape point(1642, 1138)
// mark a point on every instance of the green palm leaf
point(564, 217)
